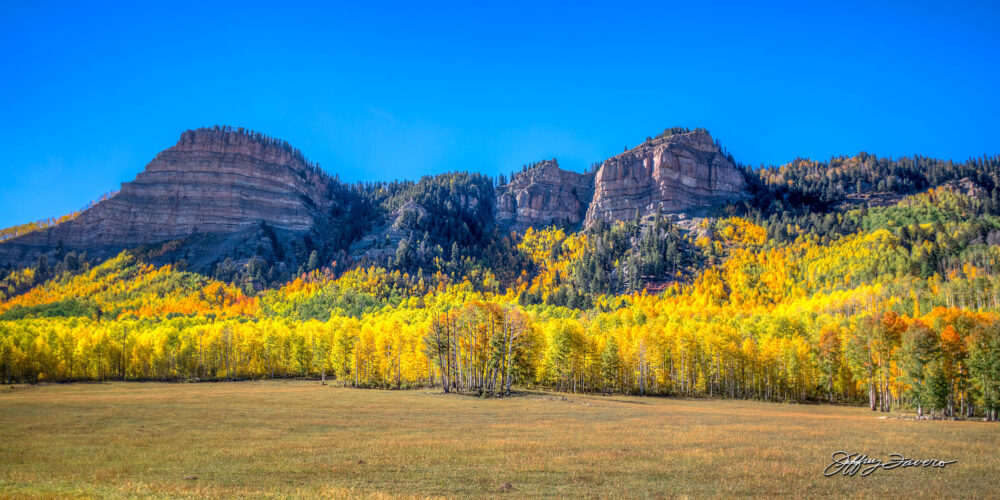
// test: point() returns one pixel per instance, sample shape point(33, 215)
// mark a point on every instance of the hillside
point(217, 193)
point(222, 200)
point(790, 285)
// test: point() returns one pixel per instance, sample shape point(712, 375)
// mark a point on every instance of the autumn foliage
point(859, 317)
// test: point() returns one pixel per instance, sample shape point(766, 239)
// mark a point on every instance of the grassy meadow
point(300, 439)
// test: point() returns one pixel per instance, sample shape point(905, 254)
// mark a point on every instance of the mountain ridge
point(218, 189)
point(241, 206)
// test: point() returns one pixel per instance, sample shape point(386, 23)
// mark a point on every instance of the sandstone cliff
point(229, 194)
point(544, 195)
point(212, 182)
point(673, 173)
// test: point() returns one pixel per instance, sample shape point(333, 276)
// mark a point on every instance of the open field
point(297, 438)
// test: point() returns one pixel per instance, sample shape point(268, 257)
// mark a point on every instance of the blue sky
point(387, 90)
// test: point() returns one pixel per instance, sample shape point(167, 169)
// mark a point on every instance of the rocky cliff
point(231, 194)
point(212, 182)
point(671, 173)
point(544, 195)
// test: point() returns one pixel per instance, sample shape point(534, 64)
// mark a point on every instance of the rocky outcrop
point(672, 173)
point(213, 181)
point(232, 194)
point(544, 195)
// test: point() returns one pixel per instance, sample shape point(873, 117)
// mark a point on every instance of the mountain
point(678, 171)
point(544, 195)
point(216, 189)
point(231, 194)
point(673, 172)
point(387, 284)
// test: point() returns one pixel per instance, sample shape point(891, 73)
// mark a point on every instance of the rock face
point(213, 181)
point(230, 194)
point(544, 195)
point(673, 173)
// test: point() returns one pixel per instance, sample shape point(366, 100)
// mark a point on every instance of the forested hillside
point(861, 279)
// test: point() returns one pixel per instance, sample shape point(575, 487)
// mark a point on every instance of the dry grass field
point(300, 439)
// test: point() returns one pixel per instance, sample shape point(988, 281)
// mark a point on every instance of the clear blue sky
point(91, 92)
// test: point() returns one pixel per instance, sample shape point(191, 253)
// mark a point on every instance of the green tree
point(610, 365)
point(984, 367)
point(920, 348)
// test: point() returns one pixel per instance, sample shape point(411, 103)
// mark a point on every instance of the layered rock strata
point(213, 181)
point(542, 196)
point(673, 173)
